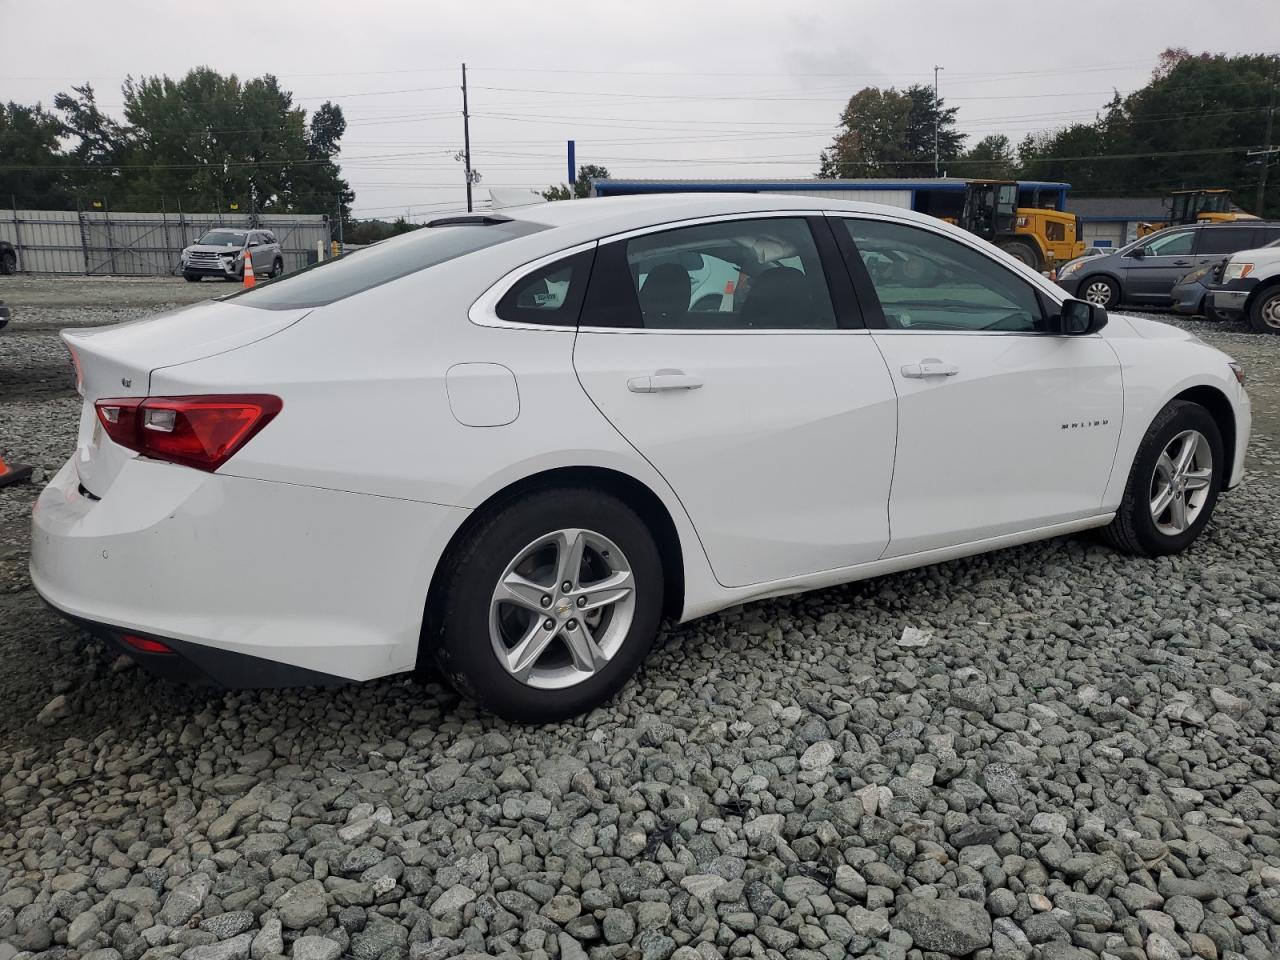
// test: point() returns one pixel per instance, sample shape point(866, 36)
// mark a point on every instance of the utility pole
point(466, 137)
point(1267, 149)
point(936, 115)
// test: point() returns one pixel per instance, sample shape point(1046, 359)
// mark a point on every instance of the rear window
point(360, 270)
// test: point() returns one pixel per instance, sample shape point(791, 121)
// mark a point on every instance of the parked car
point(221, 253)
point(490, 443)
point(8, 258)
point(1145, 271)
point(1250, 288)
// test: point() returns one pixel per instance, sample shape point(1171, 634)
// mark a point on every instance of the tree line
point(1192, 125)
point(202, 142)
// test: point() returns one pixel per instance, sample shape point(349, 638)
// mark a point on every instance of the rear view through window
point(381, 263)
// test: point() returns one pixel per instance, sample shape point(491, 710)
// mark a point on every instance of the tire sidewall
point(1182, 416)
point(461, 641)
point(1255, 311)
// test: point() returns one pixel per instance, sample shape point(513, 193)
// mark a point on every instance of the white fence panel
point(132, 244)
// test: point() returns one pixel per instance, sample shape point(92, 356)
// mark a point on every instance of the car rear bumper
point(251, 583)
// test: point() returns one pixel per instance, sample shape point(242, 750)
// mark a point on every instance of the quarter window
point(926, 281)
point(757, 274)
point(551, 295)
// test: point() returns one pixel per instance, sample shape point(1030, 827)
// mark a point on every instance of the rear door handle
point(929, 368)
point(663, 381)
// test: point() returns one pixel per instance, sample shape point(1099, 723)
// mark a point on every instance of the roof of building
point(1117, 208)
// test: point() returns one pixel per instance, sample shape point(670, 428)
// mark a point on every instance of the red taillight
point(143, 644)
point(200, 432)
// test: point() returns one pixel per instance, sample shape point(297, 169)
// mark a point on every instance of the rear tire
point(8, 262)
point(1264, 314)
point(1103, 291)
point(478, 630)
point(1143, 526)
point(1023, 252)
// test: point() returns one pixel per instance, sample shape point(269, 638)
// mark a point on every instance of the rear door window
point(749, 274)
point(336, 279)
point(1224, 239)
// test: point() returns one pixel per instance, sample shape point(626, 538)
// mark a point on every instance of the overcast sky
point(649, 88)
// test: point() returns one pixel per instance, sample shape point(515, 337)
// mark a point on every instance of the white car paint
point(804, 459)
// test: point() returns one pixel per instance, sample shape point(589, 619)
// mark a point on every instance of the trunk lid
point(118, 361)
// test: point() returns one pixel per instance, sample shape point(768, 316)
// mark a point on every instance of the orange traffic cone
point(249, 278)
point(13, 472)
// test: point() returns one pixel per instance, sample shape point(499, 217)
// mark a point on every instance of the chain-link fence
point(104, 243)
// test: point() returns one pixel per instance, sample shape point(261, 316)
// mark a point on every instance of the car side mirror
point(1079, 317)
point(1138, 252)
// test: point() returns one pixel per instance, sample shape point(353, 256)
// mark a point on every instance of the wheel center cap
point(563, 607)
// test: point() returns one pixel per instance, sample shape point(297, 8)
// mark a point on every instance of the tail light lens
point(199, 432)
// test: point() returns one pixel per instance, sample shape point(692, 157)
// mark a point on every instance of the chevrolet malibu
point(514, 443)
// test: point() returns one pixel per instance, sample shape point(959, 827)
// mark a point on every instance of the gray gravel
point(1049, 753)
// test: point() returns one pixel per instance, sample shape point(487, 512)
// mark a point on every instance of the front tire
point(1103, 291)
point(1173, 485)
point(1023, 252)
point(1264, 314)
point(8, 263)
point(191, 277)
point(549, 605)
point(277, 268)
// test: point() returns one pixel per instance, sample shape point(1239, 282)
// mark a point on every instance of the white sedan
point(515, 443)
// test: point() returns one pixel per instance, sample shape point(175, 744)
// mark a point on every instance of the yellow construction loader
point(1197, 206)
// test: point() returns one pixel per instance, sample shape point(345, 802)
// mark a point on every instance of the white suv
point(1250, 288)
point(221, 253)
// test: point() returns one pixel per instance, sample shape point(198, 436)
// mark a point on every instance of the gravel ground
point(1047, 753)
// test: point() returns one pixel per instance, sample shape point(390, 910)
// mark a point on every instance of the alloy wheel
point(1270, 312)
point(562, 609)
point(1098, 292)
point(1181, 481)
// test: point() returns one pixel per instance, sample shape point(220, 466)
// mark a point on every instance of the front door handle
point(663, 381)
point(929, 368)
point(1182, 263)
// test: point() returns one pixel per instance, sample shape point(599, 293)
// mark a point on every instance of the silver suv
point(221, 253)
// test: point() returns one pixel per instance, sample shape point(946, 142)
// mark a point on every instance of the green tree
point(991, 158)
point(890, 133)
point(32, 168)
point(581, 187)
point(1192, 125)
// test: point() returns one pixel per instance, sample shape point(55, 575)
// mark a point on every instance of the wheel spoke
point(524, 655)
point(604, 593)
point(1165, 468)
point(1161, 502)
point(1186, 454)
point(1178, 512)
point(523, 592)
point(570, 545)
point(1198, 479)
point(583, 648)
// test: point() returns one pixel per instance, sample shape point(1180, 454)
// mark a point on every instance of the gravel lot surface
point(1048, 753)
